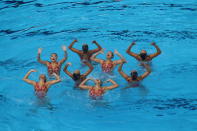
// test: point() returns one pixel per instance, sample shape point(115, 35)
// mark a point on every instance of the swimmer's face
point(85, 48)
point(110, 55)
point(143, 51)
point(43, 77)
point(134, 75)
point(53, 57)
point(143, 54)
point(99, 82)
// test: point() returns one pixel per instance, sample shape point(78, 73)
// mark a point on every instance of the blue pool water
point(166, 100)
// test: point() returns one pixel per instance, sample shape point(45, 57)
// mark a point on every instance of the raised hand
point(109, 80)
point(39, 50)
point(153, 43)
point(75, 40)
point(69, 64)
point(33, 70)
point(116, 52)
point(133, 43)
point(64, 48)
point(94, 41)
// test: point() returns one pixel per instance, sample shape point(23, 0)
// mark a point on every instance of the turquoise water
point(165, 101)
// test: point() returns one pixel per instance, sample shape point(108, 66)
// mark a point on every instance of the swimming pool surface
point(165, 101)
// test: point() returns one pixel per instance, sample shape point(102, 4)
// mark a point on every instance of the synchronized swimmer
point(143, 56)
point(108, 65)
point(77, 76)
point(97, 90)
point(43, 85)
point(54, 66)
point(86, 56)
point(85, 53)
point(134, 78)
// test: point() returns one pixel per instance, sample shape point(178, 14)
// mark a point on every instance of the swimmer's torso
point(86, 56)
point(39, 87)
point(53, 68)
point(96, 92)
point(107, 66)
point(134, 84)
point(40, 90)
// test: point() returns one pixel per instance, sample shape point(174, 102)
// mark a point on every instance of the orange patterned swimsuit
point(40, 90)
point(107, 66)
point(93, 93)
point(52, 69)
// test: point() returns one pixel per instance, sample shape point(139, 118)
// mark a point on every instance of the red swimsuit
point(40, 90)
point(52, 69)
point(107, 67)
point(93, 93)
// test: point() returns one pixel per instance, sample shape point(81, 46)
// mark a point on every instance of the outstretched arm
point(73, 49)
point(65, 55)
point(66, 71)
point(39, 59)
point(148, 71)
point(96, 50)
point(122, 73)
point(83, 86)
point(90, 69)
point(93, 57)
point(112, 86)
point(157, 53)
point(136, 56)
point(122, 59)
point(26, 78)
point(57, 79)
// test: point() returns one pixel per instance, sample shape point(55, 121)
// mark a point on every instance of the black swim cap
point(134, 75)
point(76, 76)
point(143, 56)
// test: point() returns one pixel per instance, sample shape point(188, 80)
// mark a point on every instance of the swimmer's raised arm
point(89, 70)
point(83, 86)
point(112, 86)
point(96, 50)
point(57, 79)
point(65, 55)
point(39, 59)
point(148, 71)
point(122, 59)
point(122, 73)
point(66, 71)
point(132, 53)
point(26, 77)
point(93, 57)
point(158, 50)
point(73, 49)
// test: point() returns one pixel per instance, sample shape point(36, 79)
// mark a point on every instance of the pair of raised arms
point(48, 83)
point(83, 86)
point(137, 56)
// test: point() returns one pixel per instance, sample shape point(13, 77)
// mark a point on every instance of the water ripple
point(2, 98)
point(121, 34)
point(15, 3)
point(165, 34)
point(169, 104)
point(188, 104)
point(12, 64)
point(103, 5)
